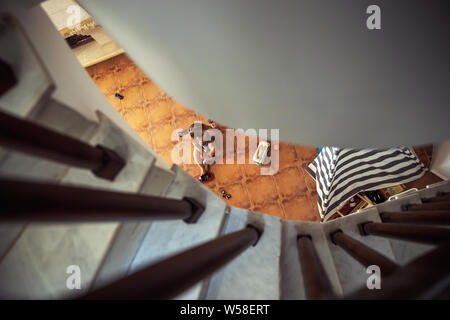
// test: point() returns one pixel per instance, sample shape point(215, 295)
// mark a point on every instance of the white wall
point(309, 67)
point(440, 163)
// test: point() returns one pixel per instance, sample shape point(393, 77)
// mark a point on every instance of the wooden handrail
point(30, 138)
point(315, 280)
point(422, 217)
point(44, 202)
point(444, 205)
point(170, 277)
point(362, 253)
point(416, 233)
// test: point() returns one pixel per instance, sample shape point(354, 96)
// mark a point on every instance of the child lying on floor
point(204, 150)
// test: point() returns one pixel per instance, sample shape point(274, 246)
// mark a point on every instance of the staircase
point(143, 230)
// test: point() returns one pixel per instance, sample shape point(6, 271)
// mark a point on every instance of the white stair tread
point(254, 274)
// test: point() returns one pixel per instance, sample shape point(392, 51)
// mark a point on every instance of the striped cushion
point(342, 173)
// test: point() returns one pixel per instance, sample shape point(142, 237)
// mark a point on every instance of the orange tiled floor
point(290, 194)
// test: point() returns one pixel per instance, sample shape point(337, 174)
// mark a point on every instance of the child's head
point(198, 129)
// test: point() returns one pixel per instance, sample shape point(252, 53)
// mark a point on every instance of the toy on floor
point(205, 177)
point(261, 154)
point(225, 194)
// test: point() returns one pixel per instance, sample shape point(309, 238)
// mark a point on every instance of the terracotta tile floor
point(290, 194)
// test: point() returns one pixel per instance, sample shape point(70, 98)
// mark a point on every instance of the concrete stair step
point(291, 279)
point(34, 83)
point(130, 235)
point(58, 117)
point(254, 274)
point(353, 275)
point(35, 266)
point(166, 238)
point(404, 251)
point(434, 189)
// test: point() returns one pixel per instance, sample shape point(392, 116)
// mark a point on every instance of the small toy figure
point(225, 194)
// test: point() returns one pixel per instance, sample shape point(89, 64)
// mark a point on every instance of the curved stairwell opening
point(102, 200)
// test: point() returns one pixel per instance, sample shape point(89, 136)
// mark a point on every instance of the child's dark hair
point(197, 126)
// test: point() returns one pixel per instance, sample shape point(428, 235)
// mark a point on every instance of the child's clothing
point(202, 153)
point(202, 149)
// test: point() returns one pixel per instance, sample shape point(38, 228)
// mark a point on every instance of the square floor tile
point(132, 97)
point(106, 66)
point(128, 76)
point(305, 153)
point(273, 209)
point(192, 169)
point(239, 197)
point(123, 113)
point(150, 90)
point(313, 197)
point(166, 154)
point(162, 134)
point(310, 182)
point(178, 110)
point(137, 119)
point(159, 111)
point(226, 174)
point(115, 102)
point(300, 208)
point(251, 170)
point(290, 183)
point(262, 190)
point(209, 184)
point(303, 165)
point(92, 70)
point(107, 83)
point(314, 205)
point(123, 60)
point(185, 121)
point(145, 135)
point(241, 144)
point(287, 156)
point(143, 78)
